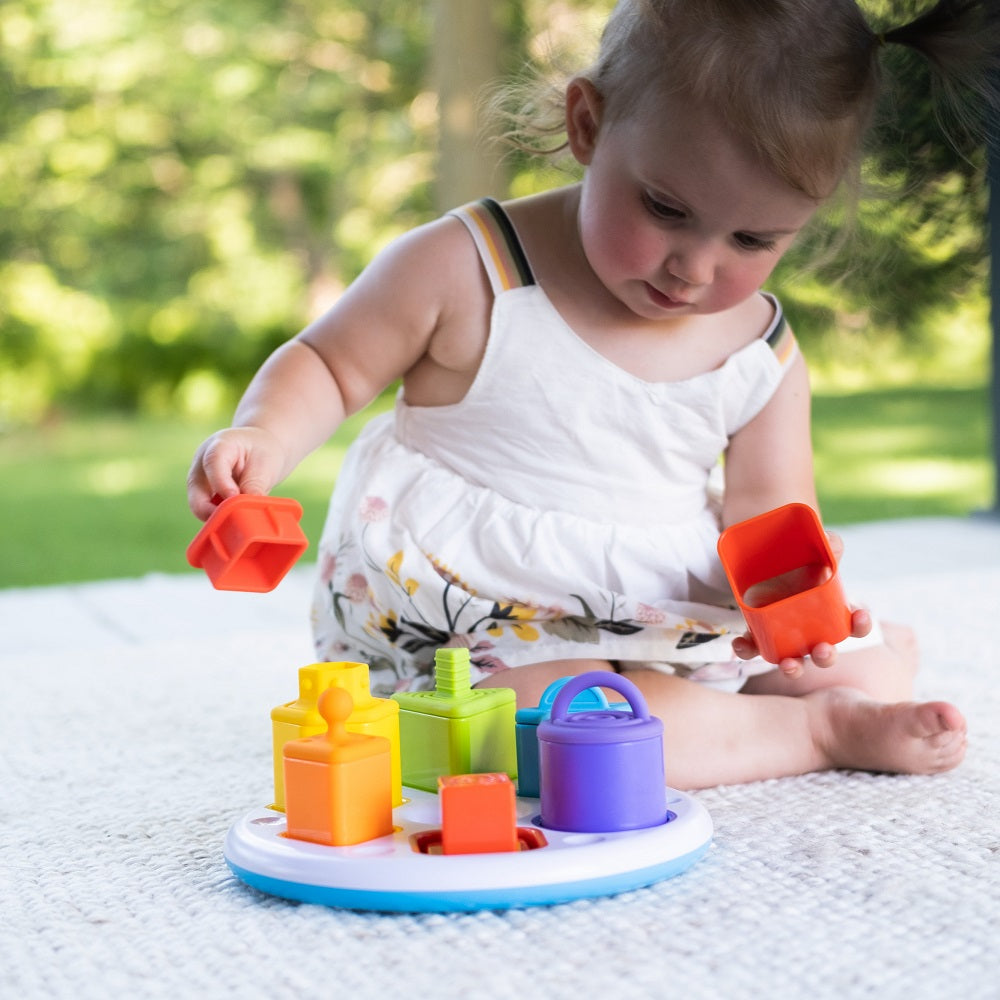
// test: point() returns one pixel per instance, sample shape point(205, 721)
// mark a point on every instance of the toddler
point(573, 366)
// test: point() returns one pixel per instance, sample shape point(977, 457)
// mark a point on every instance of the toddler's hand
point(237, 460)
point(823, 654)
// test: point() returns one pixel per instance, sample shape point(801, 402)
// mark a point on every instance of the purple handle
point(599, 678)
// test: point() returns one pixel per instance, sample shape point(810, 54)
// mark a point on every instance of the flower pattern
point(394, 611)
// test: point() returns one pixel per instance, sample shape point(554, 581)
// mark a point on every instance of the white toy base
point(391, 874)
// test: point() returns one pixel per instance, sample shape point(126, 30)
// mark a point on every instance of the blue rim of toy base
point(389, 875)
point(480, 899)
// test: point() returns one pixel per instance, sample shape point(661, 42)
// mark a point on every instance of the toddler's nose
point(694, 264)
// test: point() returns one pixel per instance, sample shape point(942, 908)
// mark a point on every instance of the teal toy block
point(527, 720)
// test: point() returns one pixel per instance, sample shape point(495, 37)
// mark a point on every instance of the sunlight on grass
point(104, 496)
point(903, 453)
point(879, 442)
point(121, 476)
point(914, 478)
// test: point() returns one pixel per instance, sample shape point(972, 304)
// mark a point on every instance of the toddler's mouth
point(663, 300)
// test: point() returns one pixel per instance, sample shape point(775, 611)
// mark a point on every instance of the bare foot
point(852, 731)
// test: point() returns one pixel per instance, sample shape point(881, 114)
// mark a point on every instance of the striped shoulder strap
point(779, 337)
point(497, 243)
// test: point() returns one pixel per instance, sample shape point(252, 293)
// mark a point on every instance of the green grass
point(103, 497)
point(906, 452)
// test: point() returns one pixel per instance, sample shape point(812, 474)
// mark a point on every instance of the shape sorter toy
point(785, 580)
point(370, 717)
point(358, 820)
point(471, 844)
point(455, 729)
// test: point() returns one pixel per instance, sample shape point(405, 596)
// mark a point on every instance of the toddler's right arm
point(381, 327)
point(290, 407)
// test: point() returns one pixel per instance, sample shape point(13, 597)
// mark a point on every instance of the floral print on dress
point(395, 611)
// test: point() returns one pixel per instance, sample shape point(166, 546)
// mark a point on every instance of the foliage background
point(186, 182)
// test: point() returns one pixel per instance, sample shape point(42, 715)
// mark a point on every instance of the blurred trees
point(184, 183)
point(908, 290)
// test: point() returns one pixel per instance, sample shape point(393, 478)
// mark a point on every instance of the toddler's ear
point(584, 106)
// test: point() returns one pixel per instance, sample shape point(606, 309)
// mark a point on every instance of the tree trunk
point(467, 57)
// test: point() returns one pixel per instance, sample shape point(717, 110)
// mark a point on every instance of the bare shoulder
point(754, 316)
point(411, 288)
point(429, 261)
point(450, 285)
point(545, 224)
point(388, 323)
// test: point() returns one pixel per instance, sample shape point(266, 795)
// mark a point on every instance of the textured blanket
point(136, 728)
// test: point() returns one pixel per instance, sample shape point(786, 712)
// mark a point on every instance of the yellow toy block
point(301, 718)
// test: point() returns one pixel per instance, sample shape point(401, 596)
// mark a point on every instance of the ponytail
point(960, 39)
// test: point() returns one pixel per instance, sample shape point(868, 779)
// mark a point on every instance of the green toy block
point(455, 729)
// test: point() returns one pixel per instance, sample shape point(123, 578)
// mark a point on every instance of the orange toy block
point(338, 785)
point(784, 577)
point(478, 814)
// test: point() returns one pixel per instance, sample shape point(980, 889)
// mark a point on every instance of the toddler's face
point(677, 217)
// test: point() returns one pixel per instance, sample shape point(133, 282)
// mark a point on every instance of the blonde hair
point(798, 80)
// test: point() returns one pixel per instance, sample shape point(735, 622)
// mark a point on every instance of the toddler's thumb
point(254, 482)
point(256, 477)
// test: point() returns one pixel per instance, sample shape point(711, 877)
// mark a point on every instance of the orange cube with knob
point(478, 814)
point(338, 785)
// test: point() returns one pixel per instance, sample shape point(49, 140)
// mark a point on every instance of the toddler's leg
point(530, 682)
point(712, 737)
point(863, 701)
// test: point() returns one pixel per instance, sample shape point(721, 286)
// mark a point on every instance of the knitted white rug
point(136, 728)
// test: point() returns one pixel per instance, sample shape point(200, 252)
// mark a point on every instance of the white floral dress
point(562, 509)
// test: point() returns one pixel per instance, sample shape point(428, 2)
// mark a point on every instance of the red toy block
point(249, 543)
point(478, 814)
point(784, 576)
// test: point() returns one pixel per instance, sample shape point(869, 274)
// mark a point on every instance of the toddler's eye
point(747, 241)
point(659, 209)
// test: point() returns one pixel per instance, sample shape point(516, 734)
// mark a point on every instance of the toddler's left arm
point(769, 463)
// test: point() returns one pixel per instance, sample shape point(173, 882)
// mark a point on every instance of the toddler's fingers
point(823, 654)
point(226, 466)
point(210, 479)
point(744, 647)
point(792, 667)
point(861, 622)
point(836, 544)
point(202, 498)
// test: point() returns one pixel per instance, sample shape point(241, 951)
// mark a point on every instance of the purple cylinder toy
point(601, 771)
